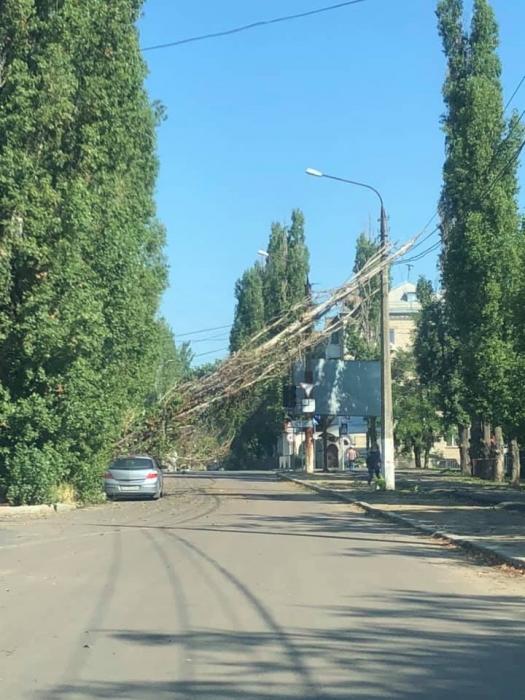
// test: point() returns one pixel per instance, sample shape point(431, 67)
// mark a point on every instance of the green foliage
point(417, 423)
point(479, 214)
point(438, 357)
point(81, 256)
point(264, 294)
point(250, 312)
point(173, 363)
point(362, 336)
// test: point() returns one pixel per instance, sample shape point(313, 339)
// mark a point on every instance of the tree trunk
point(480, 449)
point(325, 445)
point(516, 466)
point(372, 432)
point(488, 451)
point(498, 462)
point(417, 456)
point(464, 442)
point(428, 450)
point(475, 451)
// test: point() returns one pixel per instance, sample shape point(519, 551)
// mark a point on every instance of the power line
point(421, 255)
point(211, 352)
point(210, 339)
point(505, 169)
point(487, 192)
point(492, 185)
point(203, 330)
point(254, 25)
point(515, 93)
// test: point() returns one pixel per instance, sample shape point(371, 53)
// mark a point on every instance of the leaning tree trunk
point(516, 466)
point(498, 466)
point(464, 445)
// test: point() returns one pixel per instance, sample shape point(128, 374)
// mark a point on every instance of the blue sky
point(355, 92)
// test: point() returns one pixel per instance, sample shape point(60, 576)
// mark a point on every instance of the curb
point(494, 552)
point(33, 510)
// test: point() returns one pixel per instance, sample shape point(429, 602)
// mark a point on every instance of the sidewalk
point(487, 517)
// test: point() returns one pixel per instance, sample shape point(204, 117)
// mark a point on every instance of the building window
point(452, 440)
point(334, 340)
point(392, 336)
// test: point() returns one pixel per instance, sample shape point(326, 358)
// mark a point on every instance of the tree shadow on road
point(403, 646)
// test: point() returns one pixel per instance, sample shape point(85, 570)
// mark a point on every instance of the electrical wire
point(203, 330)
point(487, 192)
point(514, 93)
point(254, 25)
point(505, 169)
point(212, 339)
point(492, 185)
point(211, 352)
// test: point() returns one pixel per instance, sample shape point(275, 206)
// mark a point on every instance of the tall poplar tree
point(82, 264)
point(479, 214)
point(263, 295)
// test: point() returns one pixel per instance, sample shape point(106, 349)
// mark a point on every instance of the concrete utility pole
point(387, 420)
point(387, 411)
point(309, 379)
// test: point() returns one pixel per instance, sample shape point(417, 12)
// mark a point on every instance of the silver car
point(138, 476)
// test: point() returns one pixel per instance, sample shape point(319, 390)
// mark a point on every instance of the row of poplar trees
point(470, 345)
point(81, 253)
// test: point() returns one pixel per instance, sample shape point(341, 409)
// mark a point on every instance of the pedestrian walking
point(351, 457)
point(373, 463)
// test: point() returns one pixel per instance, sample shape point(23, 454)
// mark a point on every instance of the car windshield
point(131, 463)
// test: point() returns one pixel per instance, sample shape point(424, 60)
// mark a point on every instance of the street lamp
point(387, 421)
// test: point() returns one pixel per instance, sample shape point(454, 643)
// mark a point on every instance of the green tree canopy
point(82, 261)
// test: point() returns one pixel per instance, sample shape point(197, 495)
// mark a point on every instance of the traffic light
point(290, 397)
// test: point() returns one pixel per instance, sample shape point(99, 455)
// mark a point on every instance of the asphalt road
point(240, 587)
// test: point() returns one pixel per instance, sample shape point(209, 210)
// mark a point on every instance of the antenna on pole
point(409, 267)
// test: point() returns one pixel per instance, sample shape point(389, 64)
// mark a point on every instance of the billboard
point(343, 387)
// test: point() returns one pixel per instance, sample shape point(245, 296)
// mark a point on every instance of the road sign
point(307, 388)
point(308, 405)
point(302, 424)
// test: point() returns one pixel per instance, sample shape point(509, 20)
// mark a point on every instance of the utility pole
point(387, 421)
point(387, 427)
point(309, 379)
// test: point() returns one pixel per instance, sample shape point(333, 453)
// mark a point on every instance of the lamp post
point(387, 421)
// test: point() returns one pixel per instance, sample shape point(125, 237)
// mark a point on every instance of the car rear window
point(131, 463)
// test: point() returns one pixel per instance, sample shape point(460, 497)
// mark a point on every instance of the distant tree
point(264, 294)
point(438, 366)
point(417, 422)
point(249, 316)
point(362, 336)
point(174, 362)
